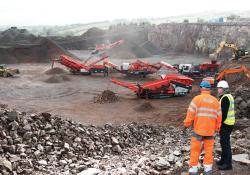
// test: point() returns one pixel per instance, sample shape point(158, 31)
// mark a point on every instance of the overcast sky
point(60, 12)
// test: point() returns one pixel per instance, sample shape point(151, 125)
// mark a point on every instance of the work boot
point(225, 167)
point(208, 169)
point(219, 162)
point(193, 170)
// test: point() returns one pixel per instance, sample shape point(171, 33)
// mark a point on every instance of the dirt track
point(74, 98)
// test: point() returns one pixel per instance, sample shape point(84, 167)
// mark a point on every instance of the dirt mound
point(14, 35)
point(239, 86)
point(145, 107)
point(94, 31)
point(136, 43)
point(129, 50)
point(19, 46)
point(32, 53)
point(57, 79)
point(107, 96)
point(236, 80)
point(55, 70)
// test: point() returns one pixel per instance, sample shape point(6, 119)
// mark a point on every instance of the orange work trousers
point(196, 146)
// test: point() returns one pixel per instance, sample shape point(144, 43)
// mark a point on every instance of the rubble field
point(40, 143)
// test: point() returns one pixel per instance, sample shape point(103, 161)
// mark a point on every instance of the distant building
point(218, 20)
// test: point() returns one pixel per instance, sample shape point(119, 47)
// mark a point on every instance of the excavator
point(238, 53)
point(7, 72)
point(221, 75)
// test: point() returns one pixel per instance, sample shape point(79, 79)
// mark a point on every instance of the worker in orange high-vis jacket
point(204, 115)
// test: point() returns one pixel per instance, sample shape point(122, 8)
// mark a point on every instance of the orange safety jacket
point(204, 113)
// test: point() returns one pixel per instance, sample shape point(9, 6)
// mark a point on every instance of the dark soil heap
point(55, 70)
point(239, 85)
point(20, 46)
point(107, 96)
point(57, 79)
point(145, 107)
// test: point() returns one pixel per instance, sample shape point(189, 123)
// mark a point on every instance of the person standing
point(204, 115)
point(228, 121)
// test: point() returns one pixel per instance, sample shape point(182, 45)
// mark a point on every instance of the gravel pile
point(46, 144)
point(106, 96)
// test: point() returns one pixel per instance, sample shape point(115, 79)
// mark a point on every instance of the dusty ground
point(74, 98)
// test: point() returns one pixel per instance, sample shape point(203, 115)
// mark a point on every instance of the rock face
point(198, 38)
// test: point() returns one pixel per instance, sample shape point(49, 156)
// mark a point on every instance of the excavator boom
point(221, 75)
point(231, 71)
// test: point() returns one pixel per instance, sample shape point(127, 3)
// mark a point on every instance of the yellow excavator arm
point(221, 46)
point(238, 53)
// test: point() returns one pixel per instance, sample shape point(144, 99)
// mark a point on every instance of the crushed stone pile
point(57, 79)
point(242, 101)
point(240, 88)
point(46, 144)
point(237, 80)
point(106, 96)
point(55, 70)
point(145, 107)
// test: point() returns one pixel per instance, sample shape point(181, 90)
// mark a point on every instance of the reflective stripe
point(207, 109)
point(193, 105)
point(191, 109)
point(201, 138)
point(207, 115)
point(207, 100)
point(231, 114)
point(230, 120)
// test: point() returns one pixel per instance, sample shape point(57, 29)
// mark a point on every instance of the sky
point(61, 12)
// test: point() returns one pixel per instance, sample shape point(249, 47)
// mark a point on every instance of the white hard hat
point(222, 84)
